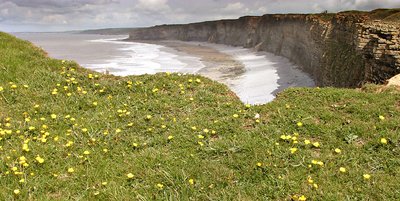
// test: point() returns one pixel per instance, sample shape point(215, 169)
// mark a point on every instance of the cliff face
point(343, 50)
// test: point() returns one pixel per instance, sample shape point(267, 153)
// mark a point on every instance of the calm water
point(265, 73)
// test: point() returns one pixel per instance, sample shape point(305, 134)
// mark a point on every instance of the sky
point(64, 15)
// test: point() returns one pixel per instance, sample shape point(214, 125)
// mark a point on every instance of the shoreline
point(255, 77)
point(218, 66)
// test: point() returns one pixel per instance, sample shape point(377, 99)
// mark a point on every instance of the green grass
point(237, 157)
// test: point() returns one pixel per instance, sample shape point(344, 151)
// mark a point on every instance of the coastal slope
point(67, 133)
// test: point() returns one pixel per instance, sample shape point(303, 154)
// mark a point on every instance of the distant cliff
point(344, 50)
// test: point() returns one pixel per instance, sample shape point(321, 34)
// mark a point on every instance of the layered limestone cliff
point(343, 50)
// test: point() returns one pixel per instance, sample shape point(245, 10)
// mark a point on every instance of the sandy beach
point(217, 65)
point(256, 77)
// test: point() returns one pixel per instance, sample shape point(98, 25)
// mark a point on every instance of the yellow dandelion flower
point(384, 141)
point(1, 89)
point(381, 117)
point(16, 191)
point(310, 180)
point(94, 103)
point(200, 136)
point(235, 115)
point(191, 181)
point(130, 175)
point(342, 169)
point(302, 198)
point(316, 144)
point(25, 147)
point(53, 116)
point(148, 117)
point(69, 143)
point(160, 186)
point(338, 151)
point(259, 164)
point(307, 142)
point(293, 150)
point(84, 130)
point(71, 170)
point(118, 130)
point(366, 176)
point(39, 159)
point(86, 152)
point(170, 137)
point(299, 124)
point(104, 183)
point(206, 130)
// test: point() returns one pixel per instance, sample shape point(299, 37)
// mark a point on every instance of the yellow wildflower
point(39, 159)
point(366, 176)
point(160, 186)
point(302, 198)
point(130, 175)
point(71, 170)
point(16, 191)
point(191, 181)
point(342, 169)
point(316, 144)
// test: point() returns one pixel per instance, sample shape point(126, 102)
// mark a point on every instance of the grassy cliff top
point(68, 133)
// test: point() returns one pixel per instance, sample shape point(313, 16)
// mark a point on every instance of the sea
point(264, 74)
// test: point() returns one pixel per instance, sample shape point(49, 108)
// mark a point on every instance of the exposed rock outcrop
point(343, 50)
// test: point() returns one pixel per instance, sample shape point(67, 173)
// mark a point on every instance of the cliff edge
point(345, 49)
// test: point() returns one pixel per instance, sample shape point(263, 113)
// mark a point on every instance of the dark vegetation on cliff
point(68, 133)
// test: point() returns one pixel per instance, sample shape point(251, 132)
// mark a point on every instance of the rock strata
point(342, 50)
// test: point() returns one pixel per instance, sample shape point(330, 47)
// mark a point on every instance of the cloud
point(153, 5)
point(58, 3)
point(53, 15)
